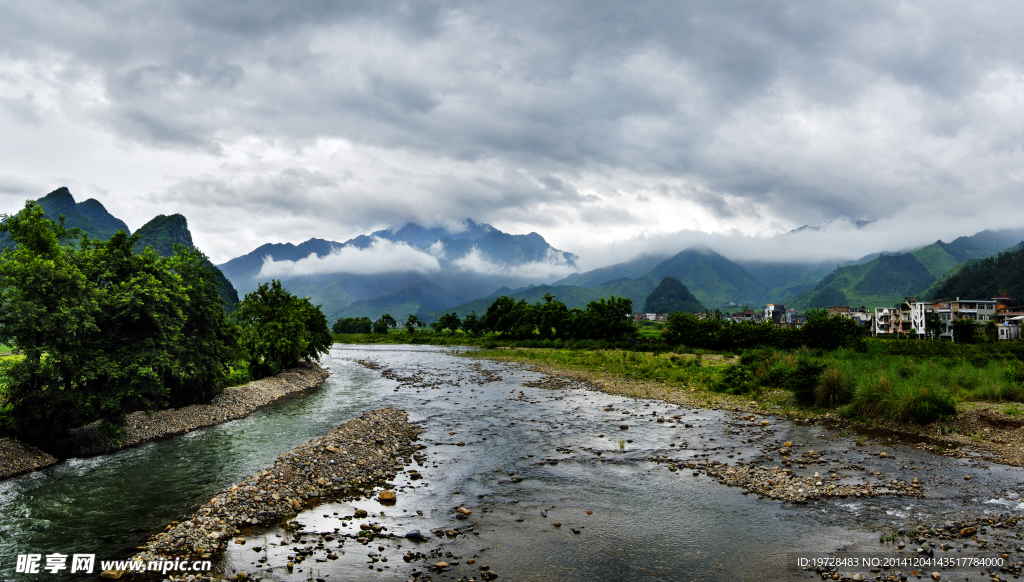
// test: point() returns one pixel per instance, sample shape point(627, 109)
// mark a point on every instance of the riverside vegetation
point(102, 330)
point(827, 365)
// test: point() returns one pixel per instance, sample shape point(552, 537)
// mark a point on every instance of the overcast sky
point(605, 127)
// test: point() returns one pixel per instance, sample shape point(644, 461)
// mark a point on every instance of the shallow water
point(647, 522)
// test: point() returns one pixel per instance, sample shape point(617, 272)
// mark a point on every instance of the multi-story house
point(979, 310)
point(775, 312)
point(887, 320)
point(861, 316)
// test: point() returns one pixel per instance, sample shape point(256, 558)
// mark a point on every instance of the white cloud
point(553, 266)
point(382, 256)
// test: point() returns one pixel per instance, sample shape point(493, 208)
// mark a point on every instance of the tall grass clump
point(833, 389)
point(902, 400)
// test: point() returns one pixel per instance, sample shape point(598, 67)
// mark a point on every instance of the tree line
point(821, 331)
point(602, 319)
point(100, 330)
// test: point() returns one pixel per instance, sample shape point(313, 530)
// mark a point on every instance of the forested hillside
point(985, 278)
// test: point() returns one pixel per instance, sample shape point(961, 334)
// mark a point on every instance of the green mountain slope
point(419, 298)
point(636, 290)
point(936, 258)
point(162, 233)
point(713, 279)
point(632, 269)
point(671, 296)
point(887, 279)
point(985, 278)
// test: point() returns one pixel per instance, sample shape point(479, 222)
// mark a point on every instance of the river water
point(520, 458)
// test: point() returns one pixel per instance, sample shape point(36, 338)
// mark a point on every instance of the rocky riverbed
point(980, 427)
point(139, 427)
point(350, 460)
point(541, 477)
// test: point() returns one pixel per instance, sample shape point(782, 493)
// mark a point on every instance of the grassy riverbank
point(882, 390)
point(861, 385)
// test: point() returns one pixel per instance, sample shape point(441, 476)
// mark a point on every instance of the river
point(520, 458)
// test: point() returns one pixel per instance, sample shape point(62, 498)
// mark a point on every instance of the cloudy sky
point(606, 127)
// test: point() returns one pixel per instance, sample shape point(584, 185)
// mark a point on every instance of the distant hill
point(418, 298)
point(887, 278)
point(713, 279)
point(574, 297)
point(90, 215)
point(671, 296)
point(632, 269)
point(710, 277)
point(986, 278)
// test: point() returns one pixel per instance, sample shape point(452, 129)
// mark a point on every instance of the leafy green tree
point(471, 324)
point(138, 347)
point(689, 330)
point(964, 330)
point(605, 319)
point(826, 332)
point(448, 321)
point(412, 322)
point(104, 330)
point(278, 329)
point(208, 336)
point(384, 323)
point(48, 311)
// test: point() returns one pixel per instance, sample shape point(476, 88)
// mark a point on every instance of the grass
point(861, 385)
point(686, 370)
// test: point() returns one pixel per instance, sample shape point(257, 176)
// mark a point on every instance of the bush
point(1015, 371)
point(927, 404)
point(832, 390)
point(737, 379)
point(804, 380)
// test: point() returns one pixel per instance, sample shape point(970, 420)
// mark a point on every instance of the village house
point(861, 316)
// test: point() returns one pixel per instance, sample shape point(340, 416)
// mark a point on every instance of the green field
point(865, 386)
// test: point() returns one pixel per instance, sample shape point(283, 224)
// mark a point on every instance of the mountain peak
point(163, 232)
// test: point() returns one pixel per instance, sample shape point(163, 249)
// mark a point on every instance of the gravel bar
point(232, 403)
point(349, 460)
point(17, 458)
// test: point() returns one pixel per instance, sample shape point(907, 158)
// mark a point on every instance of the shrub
point(832, 390)
point(737, 379)
point(1015, 371)
point(804, 380)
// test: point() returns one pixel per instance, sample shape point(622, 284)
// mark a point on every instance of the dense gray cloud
point(602, 125)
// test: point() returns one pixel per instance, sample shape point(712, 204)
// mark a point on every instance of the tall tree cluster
point(102, 330)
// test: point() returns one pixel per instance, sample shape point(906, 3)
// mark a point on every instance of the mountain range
point(466, 264)
point(429, 270)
